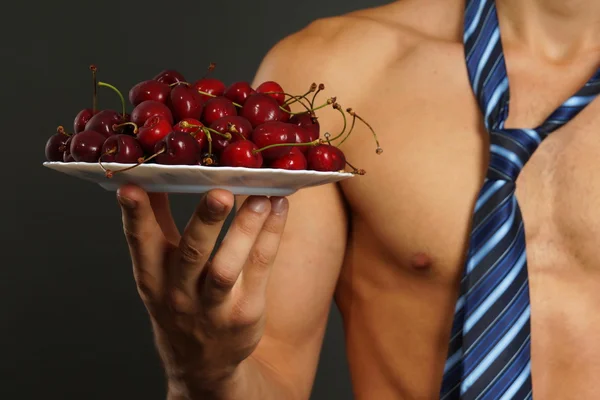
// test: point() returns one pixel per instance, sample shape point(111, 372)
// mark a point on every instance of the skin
point(250, 324)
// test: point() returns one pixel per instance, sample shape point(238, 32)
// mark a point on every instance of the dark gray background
point(71, 324)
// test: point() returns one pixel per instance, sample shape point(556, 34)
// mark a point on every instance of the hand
point(208, 315)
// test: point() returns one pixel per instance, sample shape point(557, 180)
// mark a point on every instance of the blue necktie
point(489, 353)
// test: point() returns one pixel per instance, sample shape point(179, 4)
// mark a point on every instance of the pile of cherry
point(206, 123)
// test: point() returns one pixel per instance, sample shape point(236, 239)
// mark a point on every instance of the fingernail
point(257, 204)
point(214, 205)
point(279, 205)
point(126, 202)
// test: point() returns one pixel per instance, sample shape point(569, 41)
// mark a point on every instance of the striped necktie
point(489, 353)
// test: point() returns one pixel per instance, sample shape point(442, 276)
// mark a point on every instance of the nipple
point(421, 261)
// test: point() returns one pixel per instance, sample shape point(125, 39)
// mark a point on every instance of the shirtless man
point(390, 245)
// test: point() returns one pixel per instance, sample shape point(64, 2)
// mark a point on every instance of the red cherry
point(154, 129)
point(294, 160)
point(185, 102)
point(240, 124)
point(301, 135)
point(86, 146)
point(121, 149)
point(210, 86)
point(81, 119)
point(325, 157)
point(305, 120)
point(180, 148)
point(271, 86)
point(261, 108)
point(271, 133)
point(194, 130)
point(285, 116)
point(56, 146)
point(149, 90)
point(241, 154)
point(217, 107)
point(103, 122)
point(169, 77)
point(238, 92)
point(148, 109)
point(67, 157)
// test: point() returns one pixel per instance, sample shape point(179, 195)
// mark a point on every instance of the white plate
point(200, 179)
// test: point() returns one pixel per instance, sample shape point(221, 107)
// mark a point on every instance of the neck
point(559, 30)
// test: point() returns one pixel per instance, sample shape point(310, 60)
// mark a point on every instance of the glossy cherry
point(121, 148)
point(261, 108)
point(301, 135)
point(169, 76)
point(275, 87)
point(56, 146)
point(148, 109)
point(293, 160)
point(238, 127)
point(86, 146)
point(81, 119)
point(241, 154)
point(216, 108)
point(149, 90)
point(270, 133)
point(185, 102)
point(67, 157)
point(154, 130)
point(325, 157)
point(308, 122)
point(177, 148)
point(103, 122)
point(195, 130)
point(238, 92)
point(211, 86)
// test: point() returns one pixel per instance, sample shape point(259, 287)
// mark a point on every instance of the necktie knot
point(510, 149)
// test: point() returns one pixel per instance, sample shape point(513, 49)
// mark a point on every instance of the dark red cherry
point(178, 148)
point(285, 115)
point(237, 126)
point(211, 86)
point(273, 89)
point(154, 129)
point(301, 135)
point(149, 90)
point(103, 122)
point(185, 102)
point(306, 121)
point(67, 157)
point(195, 130)
point(216, 108)
point(86, 146)
point(121, 148)
point(81, 119)
point(293, 160)
point(148, 109)
point(241, 154)
point(169, 76)
point(270, 133)
point(238, 92)
point(56, 146)
point(325, 157)
point(261, 108)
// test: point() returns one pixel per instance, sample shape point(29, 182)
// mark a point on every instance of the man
point(391, 245)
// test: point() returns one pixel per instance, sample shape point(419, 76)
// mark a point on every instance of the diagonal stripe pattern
point(489, 352)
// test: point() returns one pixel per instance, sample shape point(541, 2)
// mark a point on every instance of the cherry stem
point(350, 131)
point(210, 69)
point(329, 102)
point(232, 129)
point(117, 126)
point(315, 142)
point(95, 89)
point(337, 107)
point(116, 91)
point(356, 171)
point(296, 99)
point(212, 95)
point(180, 83)
point(312, 88)
point(110, 173)
point(319, 89)
point(206, 129)
point(209, 139)
point(61, 130)
point(379, 150)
